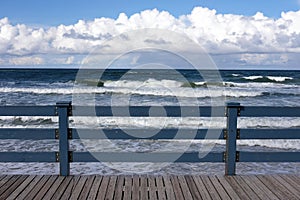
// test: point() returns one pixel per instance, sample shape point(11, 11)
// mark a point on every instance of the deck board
point(169, 188)
point(21, 187)
point(127, 188)
point(150, 187)
point(11, 187)
point(37, 188)
point(227, 187)
point(62, 187)
point(218, 186)
point(52, 190)
point(237, 188)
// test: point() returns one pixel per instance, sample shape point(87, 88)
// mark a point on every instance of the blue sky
point(241, 34)
point(55, 12)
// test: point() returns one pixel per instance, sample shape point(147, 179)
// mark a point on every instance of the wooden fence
point(232, 111)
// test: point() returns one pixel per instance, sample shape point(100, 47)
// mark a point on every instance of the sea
point(149, 87)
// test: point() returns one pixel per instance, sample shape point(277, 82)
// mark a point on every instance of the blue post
point(63, 112)
point(232, 110)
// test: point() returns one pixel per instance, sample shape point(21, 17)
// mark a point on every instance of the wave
point(153, 91)
point(268, 78)
point(163, 87)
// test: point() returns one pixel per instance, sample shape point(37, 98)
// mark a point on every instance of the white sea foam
point(153, 83)
point(155, 91)
point(279, 78)
point(252, 77)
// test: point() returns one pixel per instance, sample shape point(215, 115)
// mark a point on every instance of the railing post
point(232, 112)
point(64, 110)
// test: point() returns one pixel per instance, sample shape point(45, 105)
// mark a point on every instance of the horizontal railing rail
point(232, 111)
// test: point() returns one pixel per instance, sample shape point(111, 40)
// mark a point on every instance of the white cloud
point(26, 60)
point(217, 33)
point(70, 60)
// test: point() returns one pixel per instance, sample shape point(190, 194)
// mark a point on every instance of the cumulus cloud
point(217, 33)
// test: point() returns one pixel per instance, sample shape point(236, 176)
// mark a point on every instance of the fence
point(231, 134)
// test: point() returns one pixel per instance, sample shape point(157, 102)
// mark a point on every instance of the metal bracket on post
point(64, 109)
point(232, 112)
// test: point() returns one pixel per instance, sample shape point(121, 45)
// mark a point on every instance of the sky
point(237, 34)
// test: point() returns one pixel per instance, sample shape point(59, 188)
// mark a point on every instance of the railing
point(231, 133)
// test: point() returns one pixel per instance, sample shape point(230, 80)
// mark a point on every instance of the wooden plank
point(219, 187)
point(177, 188)
point(119, 187)
point(95, 188)
point(161, 188)
point(237, 188)
point(111, 187)
point(296, 178)
point(52, 190)
point(103, 187)
point(136, 187)
point(128, 188)
point(210, 188)
point(231, 124)
point(255, 186)
point(152, 188)
point(26, 156)
point(169, 188)
point(27, 133)
point(86, 188)
point(21, 187)
point(288, 185)
point(227, 187)
point(246, 187)
point(144, 187)
point(37, 187)
point(256, 111)
point(63, 123)
point(63, 187)
point(27, 110)
point(263, 187)
point(78, 187)
point(42, 192)
point(12, 187)
point(193, 188)
point(143, 111)
point(184, 187)
point(142, 133)
point(1, 177)
point(291, 181)
point(201, 187)
point(70, 187)
point(10, 181)
point(287, 133)
point(146, 157)
point(29, 187)
point(4, 180)
point(250, 156)
point(275, 187)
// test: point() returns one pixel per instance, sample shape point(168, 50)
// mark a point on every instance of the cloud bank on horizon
point(234, 40)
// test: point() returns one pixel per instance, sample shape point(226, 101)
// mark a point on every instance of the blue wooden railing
point(231, 133)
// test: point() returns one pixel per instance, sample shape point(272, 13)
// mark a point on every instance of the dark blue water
point(25, 86)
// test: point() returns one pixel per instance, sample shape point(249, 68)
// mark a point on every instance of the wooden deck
point(150, 187)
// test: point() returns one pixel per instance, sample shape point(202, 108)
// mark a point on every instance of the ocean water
point(149, 87)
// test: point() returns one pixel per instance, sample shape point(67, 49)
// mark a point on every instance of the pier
point(229, 186)
point(150, 187)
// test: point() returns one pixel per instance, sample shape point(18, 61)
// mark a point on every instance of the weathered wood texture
point(150, 187)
